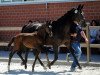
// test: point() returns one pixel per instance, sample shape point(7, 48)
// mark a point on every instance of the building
point(16, 13)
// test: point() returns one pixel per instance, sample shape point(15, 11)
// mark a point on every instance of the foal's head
point(46, 28)
point(49, 28)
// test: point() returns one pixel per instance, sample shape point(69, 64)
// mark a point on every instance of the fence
point(87, 45)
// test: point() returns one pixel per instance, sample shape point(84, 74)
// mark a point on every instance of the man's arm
point(84, 36)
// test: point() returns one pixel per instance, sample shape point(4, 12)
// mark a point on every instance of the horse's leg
point(39, 48)
point(36, 57)
point(23, 61)
point(19, 53)
point(10, 57)
point(26, 56)
point(55, 56)
point(48, 62)
point(34, 52)
point(22, 49)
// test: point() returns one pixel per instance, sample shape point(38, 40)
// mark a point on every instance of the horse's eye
point(76, 11)
point(50, 26)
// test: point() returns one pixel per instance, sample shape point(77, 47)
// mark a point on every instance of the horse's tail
point(10, 43)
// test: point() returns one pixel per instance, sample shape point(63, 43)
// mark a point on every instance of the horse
point(61, 32)
point(30, 40)
point(29, 28)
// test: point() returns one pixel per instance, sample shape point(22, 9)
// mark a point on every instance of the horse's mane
point(67, 17)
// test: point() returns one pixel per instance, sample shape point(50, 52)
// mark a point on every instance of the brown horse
point(30, 28)
point(30, 40)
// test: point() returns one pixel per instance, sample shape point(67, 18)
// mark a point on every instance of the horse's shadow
point(30, 73)
point(35, 72)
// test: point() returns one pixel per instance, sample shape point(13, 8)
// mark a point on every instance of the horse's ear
point(80, 7)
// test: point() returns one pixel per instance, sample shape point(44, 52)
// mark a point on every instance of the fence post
point(88, 44)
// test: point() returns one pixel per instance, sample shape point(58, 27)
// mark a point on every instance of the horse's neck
point(41, 34)
point(61, 31)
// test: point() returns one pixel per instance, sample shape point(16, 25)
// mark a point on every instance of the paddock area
point(61, 67)
point(14, 14)
point(56, 70)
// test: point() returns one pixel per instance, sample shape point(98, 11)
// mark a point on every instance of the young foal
point(30, 40)
point(30, 28)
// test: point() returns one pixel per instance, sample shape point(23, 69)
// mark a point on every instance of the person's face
point(93, 23)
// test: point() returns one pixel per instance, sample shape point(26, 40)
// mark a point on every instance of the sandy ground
point(16, 68)
point(56, 69)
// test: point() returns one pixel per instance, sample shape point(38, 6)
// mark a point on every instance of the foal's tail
point(10, 43)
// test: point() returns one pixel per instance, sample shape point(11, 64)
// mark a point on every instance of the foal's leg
point(23, 48)
point(36, 57)
point(10, 57)
point(39, 59)
point(19, 53)
point(26, 56)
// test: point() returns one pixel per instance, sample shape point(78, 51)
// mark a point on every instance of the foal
point(30, 40)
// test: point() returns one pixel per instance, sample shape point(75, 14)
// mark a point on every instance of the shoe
point(72, 70)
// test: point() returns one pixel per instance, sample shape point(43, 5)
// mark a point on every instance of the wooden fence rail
point(89, 45)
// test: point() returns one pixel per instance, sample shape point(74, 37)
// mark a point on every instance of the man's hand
point(84, 36)
point(86, 40)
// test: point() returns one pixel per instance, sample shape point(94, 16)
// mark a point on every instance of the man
point(76, 33)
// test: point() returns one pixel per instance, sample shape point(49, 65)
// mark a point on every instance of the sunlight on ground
point(16, 68)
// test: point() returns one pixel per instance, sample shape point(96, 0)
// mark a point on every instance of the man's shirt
point(76, 29)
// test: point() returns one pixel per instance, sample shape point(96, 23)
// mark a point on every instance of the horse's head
point(49, 28)
point(77, 14)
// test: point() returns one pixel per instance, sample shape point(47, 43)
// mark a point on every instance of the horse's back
point(31, 27)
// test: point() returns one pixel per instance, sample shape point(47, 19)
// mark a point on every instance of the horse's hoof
point(49, 66)
point(8, 68)
point(25, 67)
point(45, 68)
point(80, 68)
point(22, 63)
point(32, 70)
